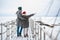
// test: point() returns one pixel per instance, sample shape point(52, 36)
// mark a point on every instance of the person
point(25, 23)
point(19, 21)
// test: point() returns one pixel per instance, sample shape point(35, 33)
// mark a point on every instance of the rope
point(56, 16)
point(52, 1)
point(55, 20)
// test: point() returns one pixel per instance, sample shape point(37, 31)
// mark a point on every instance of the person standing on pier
point(25, 23)
point(19, 21)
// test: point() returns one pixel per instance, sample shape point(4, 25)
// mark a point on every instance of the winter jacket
point(19, 18)
point(25, 23)
point(23, 20)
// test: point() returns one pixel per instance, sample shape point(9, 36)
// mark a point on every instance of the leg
point(25, 32)
point(20, 31)
point(17, 30)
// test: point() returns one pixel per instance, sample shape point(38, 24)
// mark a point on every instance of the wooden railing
point(41, 32)
point(8, 30)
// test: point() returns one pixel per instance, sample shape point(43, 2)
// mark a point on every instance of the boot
point(26, 35)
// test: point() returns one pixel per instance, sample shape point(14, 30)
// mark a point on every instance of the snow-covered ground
point(48, 20)
point(4, 19)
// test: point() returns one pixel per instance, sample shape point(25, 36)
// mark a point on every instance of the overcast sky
point(8, 7)
point(30, 5)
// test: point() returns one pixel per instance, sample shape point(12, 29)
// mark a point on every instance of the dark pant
point(19, 30)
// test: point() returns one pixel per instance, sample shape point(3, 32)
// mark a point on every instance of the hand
point(32, 14)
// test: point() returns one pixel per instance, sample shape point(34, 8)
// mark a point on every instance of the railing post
point(40, 33)
point(44, 34)
point(1, 31)
point(8, 32)
point(35, 31)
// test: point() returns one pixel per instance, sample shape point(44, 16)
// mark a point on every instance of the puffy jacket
point(23, 20)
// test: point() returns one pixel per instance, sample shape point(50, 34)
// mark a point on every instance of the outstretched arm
point(28, 16)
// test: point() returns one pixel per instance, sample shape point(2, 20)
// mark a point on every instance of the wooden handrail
point(41, 23)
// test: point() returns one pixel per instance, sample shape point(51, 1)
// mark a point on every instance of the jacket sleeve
point(28, 16)
point(20, 16)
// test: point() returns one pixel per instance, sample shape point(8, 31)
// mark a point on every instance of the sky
point(9, 7)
